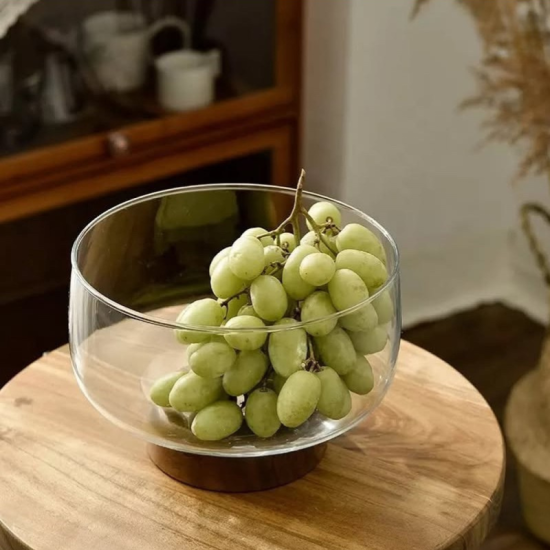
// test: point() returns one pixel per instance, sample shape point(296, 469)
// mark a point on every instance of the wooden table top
point(424, 471)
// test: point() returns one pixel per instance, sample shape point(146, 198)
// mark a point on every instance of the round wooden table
point(425, 471)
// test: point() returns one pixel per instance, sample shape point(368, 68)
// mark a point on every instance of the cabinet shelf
point(70, 162)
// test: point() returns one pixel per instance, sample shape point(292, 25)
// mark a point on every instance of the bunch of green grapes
point(269, 380)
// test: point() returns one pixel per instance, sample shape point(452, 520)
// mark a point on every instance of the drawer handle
point(118, 144)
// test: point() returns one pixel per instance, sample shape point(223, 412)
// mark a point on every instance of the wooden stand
point(424, 471)
point(236, 475)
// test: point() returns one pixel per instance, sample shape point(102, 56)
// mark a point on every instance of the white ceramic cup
point(186, 79)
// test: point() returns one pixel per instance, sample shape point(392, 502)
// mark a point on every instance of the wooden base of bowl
point(236, 475)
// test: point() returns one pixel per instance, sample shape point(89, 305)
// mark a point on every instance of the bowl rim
point(157, 321)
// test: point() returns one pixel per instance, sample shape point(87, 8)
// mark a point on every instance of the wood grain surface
point(425, 471)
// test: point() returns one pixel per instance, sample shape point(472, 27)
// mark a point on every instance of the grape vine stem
point(225, 302)
point(311, 364)
point(310, 347)
point(293, 218)
point(274, 268)
point(317, 229)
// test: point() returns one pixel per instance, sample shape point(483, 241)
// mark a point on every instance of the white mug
point(186, 78)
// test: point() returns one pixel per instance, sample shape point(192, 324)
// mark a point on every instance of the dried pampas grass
point(514, 75)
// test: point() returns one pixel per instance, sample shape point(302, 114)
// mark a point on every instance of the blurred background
point(105, 100)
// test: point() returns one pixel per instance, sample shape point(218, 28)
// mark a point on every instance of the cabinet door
point(35, 251)
point(87, 85)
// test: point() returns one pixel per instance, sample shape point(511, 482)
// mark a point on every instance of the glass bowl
point(139, 264)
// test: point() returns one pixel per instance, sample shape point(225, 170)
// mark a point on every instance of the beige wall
point(382, 131)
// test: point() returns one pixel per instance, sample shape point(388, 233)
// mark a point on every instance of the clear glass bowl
point(133, 270)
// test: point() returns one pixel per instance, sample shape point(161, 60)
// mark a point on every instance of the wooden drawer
point(84, 181)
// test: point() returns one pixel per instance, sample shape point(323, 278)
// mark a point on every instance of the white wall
point(383, 132)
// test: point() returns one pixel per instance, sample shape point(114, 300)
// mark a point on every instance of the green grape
point(383, 305)
point(192, 348)
point(273, 254)
point(246, 373)
point(337, 351)
point(248, 310)
point(202, 313)
point(362, 320)
point(294, 285)
point(217, 421)
point(367, 343)
point(298, 398)
point(371, 270)
point(212, 359)
point(261, 412)
point(249, 340)
point(311, 239)
point(217, 259)
point(317, 306)
point(317, 269)
point(224, 283)
point(268, 298)
point(235, 305)
point(360, 380)
point(256, 232)
point(346, 405)
point(287, 349)
point(288, 241)
point(333, 400)
point(246, 259)
point(192, 392)
point(357, 237)
point(322, 212)
point(278, 382)
point(346, 289)
point(162, 387)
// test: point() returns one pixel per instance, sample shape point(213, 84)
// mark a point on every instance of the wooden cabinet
point(87, 161)
point(56, 181)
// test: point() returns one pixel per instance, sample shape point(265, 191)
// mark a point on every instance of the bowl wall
point(137, 266)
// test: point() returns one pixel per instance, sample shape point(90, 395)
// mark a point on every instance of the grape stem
point(293, 218)
point(330, 225)
point(317, 229)
point(266, 378)
point(276, 266)
point(310, 347)
point(311, 364)
point(225, 303)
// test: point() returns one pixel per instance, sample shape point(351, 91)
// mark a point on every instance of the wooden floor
point(493, 346)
